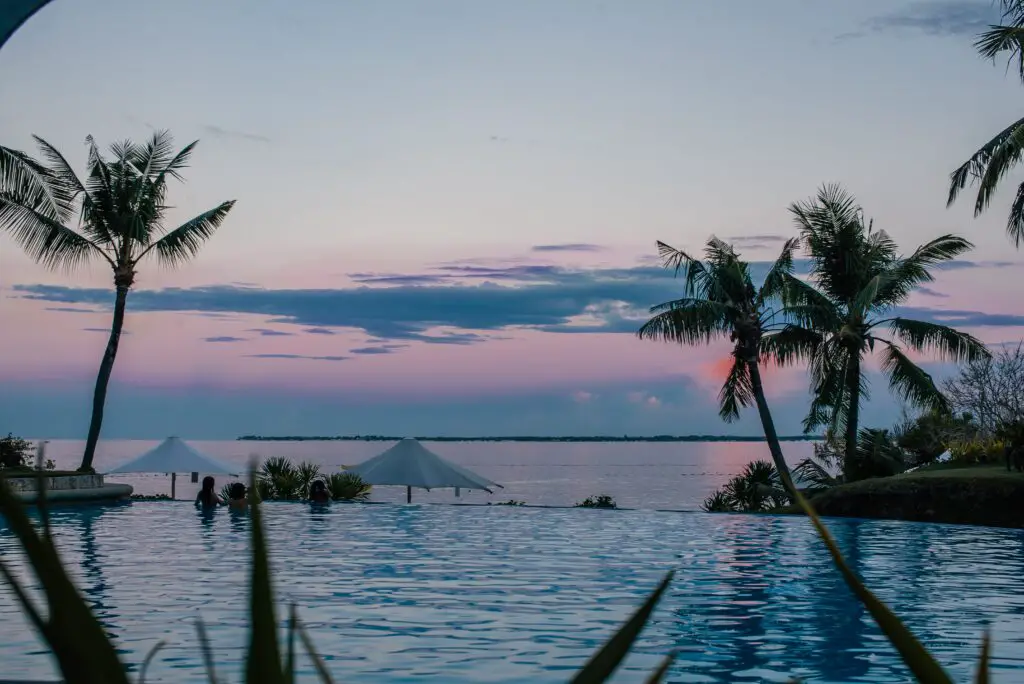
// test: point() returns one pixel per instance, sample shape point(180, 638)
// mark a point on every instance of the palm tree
point(115, 215)
point(989, 164)
point(720, 300)
point(858, 280)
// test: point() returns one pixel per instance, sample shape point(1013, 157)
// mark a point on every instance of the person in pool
point(318, 492)
point(236, 497)
point(207, 498)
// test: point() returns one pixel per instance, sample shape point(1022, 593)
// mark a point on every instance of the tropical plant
point(928, 435)
point(280, 479)
point(347, 486)
point(599, 501)
point(876, 455)
point(858, 278)
point(14, 452)
point(116, 215)
point(824, 467)
point(990, 390)
point(987, 167)
point(86, 654)
point(757, 488)
point(720, 300)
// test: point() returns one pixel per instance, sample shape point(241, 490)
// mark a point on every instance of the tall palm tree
point(115, 215)
point(989, 164)
point(720, 300)
point(859, 279)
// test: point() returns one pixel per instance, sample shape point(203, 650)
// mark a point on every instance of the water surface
point(500, 594)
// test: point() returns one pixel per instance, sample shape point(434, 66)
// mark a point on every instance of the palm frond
point(93, 223)
point(947, 343)
point(35, 185)
point(792, 344)
point(185, 241)
point(906, 274)
point(775, 283)
point(737, 391)
point(909, 381)
point(46, 241)
point(1000, 39)
point(686, 321)
point(695, 274)
point(988, 165)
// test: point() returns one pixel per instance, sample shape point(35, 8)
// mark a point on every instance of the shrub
point(348, 487)
point(757, 488)
point(599, 501)
point(281, 480)
point(15, 452)
point(978, 451)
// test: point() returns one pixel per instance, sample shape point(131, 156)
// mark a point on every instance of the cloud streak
point(568, 247)
point(548, 299)
point(223, 338)
point(937, 18)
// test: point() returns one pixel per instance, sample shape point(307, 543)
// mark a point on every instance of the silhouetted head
point(237, 491)
point(208, 484)
point(317, 488)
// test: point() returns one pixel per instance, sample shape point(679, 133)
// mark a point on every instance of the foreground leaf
point(76, 638)
point(603, 663)
point(263, 661)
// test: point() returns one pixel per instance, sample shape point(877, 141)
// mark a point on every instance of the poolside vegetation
point(599, 501)
point(279, 479)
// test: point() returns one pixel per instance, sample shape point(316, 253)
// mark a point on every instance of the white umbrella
point(410, 464)
point(174, 456)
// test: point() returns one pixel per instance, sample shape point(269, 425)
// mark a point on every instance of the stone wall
point(56, 482)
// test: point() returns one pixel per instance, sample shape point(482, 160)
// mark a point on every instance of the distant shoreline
point(624, 438)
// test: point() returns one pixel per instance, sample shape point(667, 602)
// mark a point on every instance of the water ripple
point(449, 594)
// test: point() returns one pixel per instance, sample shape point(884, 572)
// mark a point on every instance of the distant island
point(623, 438)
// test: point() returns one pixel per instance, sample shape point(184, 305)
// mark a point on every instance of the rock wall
point(56, 483)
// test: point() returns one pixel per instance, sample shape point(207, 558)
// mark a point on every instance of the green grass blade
point(76, 638)
point(916, 656)
point(207, 650)
point(318, 662)
point(289, 667)
point(659, 674)
point(149, 658)
point(603, 663)
point(981, 677)
point(263, 662)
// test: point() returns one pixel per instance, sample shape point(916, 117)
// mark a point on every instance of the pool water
point(501, 594)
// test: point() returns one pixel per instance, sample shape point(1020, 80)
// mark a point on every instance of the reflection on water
point(449, 594)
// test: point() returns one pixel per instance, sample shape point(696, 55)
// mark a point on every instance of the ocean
point(644, 475)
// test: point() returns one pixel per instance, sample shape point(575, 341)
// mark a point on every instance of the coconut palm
point(859, 279)
point(990, 163)
point(720, 300)
point(116, 215)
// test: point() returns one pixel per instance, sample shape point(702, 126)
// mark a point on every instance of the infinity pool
point(500, 594)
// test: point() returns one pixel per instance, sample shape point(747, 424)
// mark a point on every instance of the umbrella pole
point(174, 478)
point(408, 495)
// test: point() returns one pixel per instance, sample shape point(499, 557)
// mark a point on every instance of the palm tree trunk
point(99, 397)
point(768, 425)
point(852, 417)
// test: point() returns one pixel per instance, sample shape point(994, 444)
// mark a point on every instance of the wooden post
point(457, 490)
point(174, 478)
point(408, 495)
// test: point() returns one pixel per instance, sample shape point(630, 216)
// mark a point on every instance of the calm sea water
point(499, 594)
point(677, 475)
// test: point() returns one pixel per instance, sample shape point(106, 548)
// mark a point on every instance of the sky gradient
point(447, 212)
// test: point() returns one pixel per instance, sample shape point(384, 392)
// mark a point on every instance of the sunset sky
point(447, 212)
